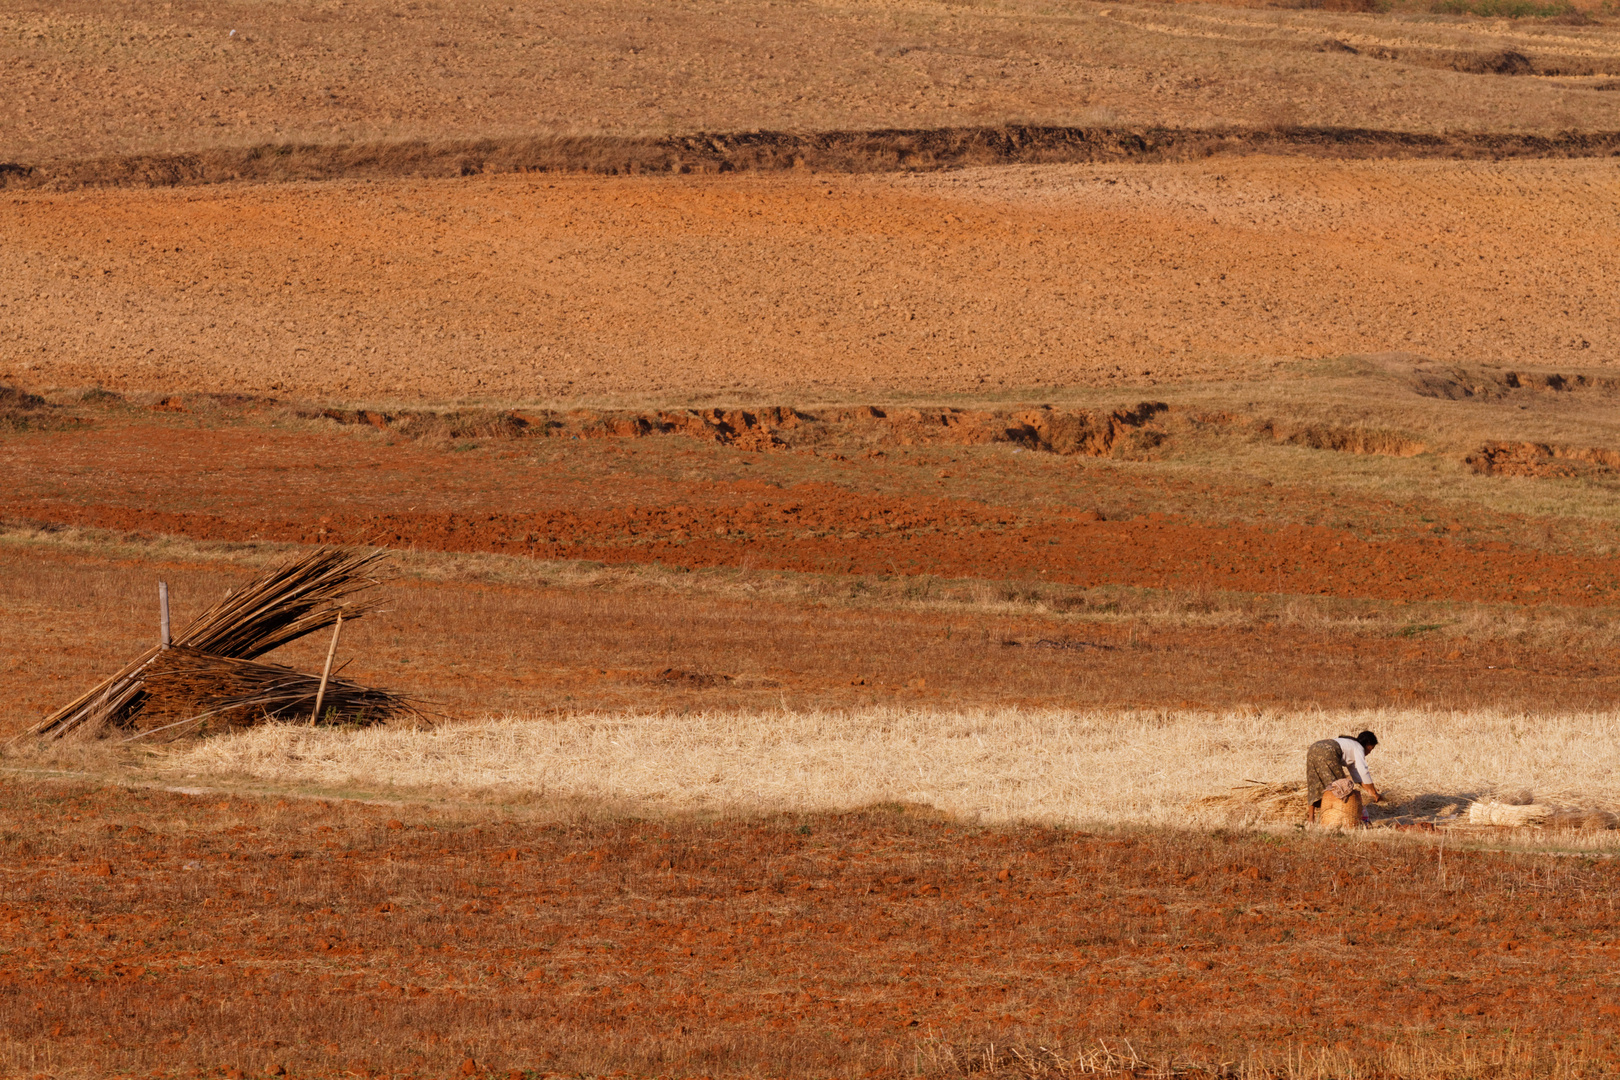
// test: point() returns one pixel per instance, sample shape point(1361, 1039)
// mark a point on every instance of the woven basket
point(1340, 814)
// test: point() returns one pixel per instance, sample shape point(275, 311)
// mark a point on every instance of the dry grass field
point(99, 80)
point(1094, 769)
point(866, 487)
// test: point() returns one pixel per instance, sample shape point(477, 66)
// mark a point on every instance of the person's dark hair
point(1367, 740)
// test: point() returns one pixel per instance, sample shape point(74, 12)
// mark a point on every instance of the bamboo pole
point(163, 613)
point(326, 672)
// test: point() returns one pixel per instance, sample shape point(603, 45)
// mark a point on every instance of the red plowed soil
point(244, 484)
point(520, 289)
point(936, 537)
point(206, 935)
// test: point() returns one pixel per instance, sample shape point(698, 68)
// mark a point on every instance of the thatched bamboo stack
point(210, 671)
point(188, 692)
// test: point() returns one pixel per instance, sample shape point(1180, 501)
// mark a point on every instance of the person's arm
point(1359, 771)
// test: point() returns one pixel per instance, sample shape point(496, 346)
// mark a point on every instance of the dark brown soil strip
point(891, 150)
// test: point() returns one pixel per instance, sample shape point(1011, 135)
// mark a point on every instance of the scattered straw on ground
point(1079, 768)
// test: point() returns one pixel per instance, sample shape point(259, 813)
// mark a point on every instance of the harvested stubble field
point(690, 883)
point(856, 473)
point(473, 636)
point(1079, 769)
point(685, 861)
point(166, 934)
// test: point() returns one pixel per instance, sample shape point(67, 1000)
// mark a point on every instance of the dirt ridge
point(1458, 383)
point(879, 150)
point(1507, 61)
point(1541, 460)
point(1127, 430)
point(777, 427)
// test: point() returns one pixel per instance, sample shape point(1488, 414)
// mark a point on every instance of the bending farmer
point(1328, 761)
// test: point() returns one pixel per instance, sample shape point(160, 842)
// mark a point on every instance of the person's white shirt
point(1355, 760)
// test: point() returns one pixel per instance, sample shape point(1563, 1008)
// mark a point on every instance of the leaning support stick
point(326, 672)
point(163, 613)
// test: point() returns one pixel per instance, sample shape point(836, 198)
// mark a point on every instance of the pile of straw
point(210, 673)
point(1256, 802)
point(1587, 820)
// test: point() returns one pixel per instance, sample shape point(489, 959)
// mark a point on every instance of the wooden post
point(163, 613)
point(326, 673)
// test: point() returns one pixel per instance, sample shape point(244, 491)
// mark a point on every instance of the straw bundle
point(295, 599)
point(1490, 812)
point(1540, 815)
point(1596, 820)
point(188, 691)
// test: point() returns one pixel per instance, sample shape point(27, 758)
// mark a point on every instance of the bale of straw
point(1585, 820)
point(1337, 813)
point(1517, 815)
point(297, 598)
point(190, 692)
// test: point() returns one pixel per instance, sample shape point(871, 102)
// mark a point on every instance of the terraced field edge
point(882, 150)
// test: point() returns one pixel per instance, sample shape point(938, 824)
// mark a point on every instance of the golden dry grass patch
point(1085, 768)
